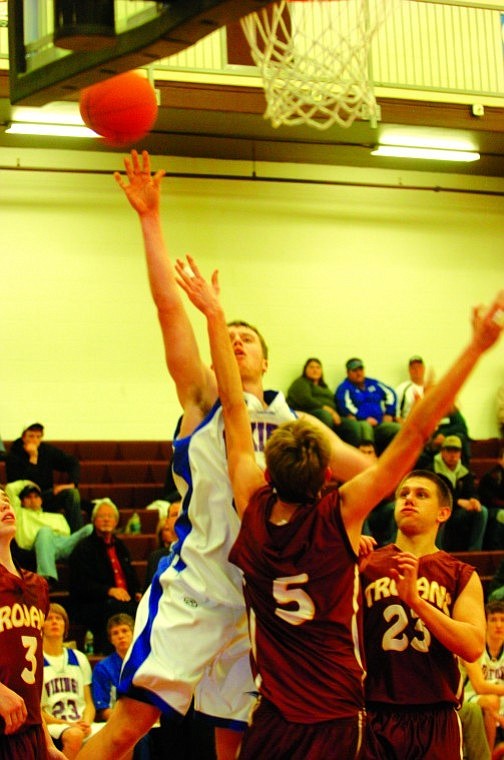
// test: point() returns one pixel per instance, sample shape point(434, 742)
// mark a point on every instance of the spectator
point(496, 587)
point(484, 682)
point(500, 409)
point(452, 424)
point(29, 458)
point(310, 393)
point(370, 402)
point(106, 673)
point(23, 732)
point(491, 494)
point(47, 533)
point(67, 704)
point(410, 390)
point(465, 529)
point(103, 581)
point(166, 536)
point(380, 522)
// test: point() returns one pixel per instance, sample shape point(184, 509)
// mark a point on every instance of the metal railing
point(451, 49)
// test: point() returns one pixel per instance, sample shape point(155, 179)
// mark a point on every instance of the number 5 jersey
point(407, 665)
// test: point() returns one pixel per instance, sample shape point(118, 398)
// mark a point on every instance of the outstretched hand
point(204, 295)
point(142, 189)
point(488, 323)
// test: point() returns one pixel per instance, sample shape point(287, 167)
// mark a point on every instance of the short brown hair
point(494, 608)
point(444, 494)
point(61, 611)
point(297, 456)
point(241, 323)
point(120, 619)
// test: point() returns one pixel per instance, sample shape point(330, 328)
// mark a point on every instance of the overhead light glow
point(435, 154)
point(54, 130)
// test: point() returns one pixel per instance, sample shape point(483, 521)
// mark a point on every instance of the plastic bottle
point(89, 643)
point(134, 525)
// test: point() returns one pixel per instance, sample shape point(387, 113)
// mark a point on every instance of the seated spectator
point(491, 494)
point(103, 581)
point(380, 522)
point(453, 424)
point(465, 529)
point(410, 390)
point(500, 409)
point(166, 536)
point(370, 402)
point(496, 587)
point(106, 675)
point(47, 533)
point(473, 732)
point(29, 458)
point(310, 393)
point(484, 681)
point(67, 704)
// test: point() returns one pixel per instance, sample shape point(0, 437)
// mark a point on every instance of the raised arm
point(246, 476)
point(194, 381)
point(368, 488)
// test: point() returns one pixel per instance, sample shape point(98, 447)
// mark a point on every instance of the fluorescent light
point(436, 154)
point(55, 130)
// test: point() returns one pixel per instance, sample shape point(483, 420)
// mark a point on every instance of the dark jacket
point(50, 458)
point(91, 573)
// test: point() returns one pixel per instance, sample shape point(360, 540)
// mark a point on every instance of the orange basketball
point(122, 109)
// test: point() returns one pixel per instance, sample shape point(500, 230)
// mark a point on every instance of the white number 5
point(283, 594)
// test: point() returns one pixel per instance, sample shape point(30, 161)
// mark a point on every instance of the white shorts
point(184, 647)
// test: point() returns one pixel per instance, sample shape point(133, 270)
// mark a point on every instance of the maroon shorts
point(26, 745)
point(271, 736)
point(413, 734)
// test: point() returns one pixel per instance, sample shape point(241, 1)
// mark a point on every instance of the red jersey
point(302, 592)
point(407, 665)
point(24, 603)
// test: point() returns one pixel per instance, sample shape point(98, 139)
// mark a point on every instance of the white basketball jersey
point(208, 524)
point(64, 679)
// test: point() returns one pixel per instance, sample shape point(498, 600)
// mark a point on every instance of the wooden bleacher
point(132, 474)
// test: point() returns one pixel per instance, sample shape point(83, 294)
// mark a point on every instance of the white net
point(313, 59)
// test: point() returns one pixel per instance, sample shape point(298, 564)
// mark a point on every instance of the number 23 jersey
point(406, 664)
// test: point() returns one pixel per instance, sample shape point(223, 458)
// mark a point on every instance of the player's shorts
point(434, 733)
point(25, 745)
point(271, 736)
point(185, 646)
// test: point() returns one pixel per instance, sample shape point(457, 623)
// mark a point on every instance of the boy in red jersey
point(24, 601)
point(298, 551)
point(421, 608)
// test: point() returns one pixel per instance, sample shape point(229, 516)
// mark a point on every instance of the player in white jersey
point(484, 679)
point(67, 704)
point(194, 598)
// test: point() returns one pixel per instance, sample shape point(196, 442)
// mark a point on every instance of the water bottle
point(134, 525)
point(89, 643)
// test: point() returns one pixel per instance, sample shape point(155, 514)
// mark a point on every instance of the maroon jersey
point(407, 665)
point(24, 603)
point(302, 593)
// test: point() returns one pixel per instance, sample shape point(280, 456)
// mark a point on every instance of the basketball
point(121, 109)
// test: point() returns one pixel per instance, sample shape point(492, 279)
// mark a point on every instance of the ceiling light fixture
point(53, 130)
point(436, 154)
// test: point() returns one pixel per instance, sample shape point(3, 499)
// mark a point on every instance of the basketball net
point(313, 59)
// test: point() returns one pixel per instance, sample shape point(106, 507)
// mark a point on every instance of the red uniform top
point(24, 603)
point(303, 600)
point(407, 665)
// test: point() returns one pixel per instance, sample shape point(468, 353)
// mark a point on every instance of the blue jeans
point(50, 546)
